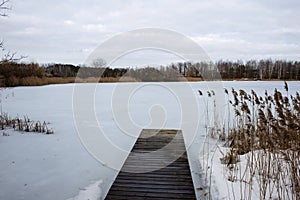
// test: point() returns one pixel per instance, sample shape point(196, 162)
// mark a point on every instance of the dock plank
point(152, 173)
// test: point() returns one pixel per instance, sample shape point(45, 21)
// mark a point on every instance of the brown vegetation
point(23, 125)
point(32, 74)
point(266, 131)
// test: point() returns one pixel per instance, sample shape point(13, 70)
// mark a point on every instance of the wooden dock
point(156, 168)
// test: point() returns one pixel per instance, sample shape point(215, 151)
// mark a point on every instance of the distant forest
point(16, 74)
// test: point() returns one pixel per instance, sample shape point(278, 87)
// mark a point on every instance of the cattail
point(286, 101)
point(270, 115)
point(286, 86)
point(242, 93)
point(270, 98)
point(226, 91)
point(237, 113)
point(232, 90)
point(14, 124)
point(261, 99)
point(249, 118)
point(278, 96)
point(298, 96)
point(209, 94)
point(236, 100)
point(257, 100)
point(296, 107)
point(262, 116)
point(245, 108)
point(280, 112)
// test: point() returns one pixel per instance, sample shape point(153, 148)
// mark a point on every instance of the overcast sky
point(68, 31)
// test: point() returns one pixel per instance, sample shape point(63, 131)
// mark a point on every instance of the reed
point(23, 124)
point(265, 130)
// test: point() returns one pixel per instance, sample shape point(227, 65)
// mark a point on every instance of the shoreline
point(35, 81)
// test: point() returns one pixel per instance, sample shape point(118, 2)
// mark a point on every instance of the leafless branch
point(11, 57)
point(3, 6)
point(1, 45)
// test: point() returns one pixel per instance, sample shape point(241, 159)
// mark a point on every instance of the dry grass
point(38, 81)
point(267, 128)
point(59, 80)
point(190, 79)
point(23, 124)
point(266, 131)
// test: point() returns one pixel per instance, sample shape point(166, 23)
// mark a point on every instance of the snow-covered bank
point(47, 167)
point(240, 182)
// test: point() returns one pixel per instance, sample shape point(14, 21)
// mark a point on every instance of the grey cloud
point(59, 31)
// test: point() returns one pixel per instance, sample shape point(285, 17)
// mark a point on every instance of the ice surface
point(47, 167)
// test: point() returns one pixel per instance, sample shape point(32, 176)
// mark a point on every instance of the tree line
point(13, 73)
point(252, 69)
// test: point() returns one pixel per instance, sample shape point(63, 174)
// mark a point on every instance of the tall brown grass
point(265, 130)
point(14, 81)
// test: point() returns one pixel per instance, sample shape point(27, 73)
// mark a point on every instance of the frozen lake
point(47, 167)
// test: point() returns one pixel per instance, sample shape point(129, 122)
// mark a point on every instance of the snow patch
point(91, 192)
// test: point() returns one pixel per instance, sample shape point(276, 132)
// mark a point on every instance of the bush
point(12, 81)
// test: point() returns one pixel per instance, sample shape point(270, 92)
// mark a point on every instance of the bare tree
point(98, 63)
point(8, 56)
point(3, 8)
